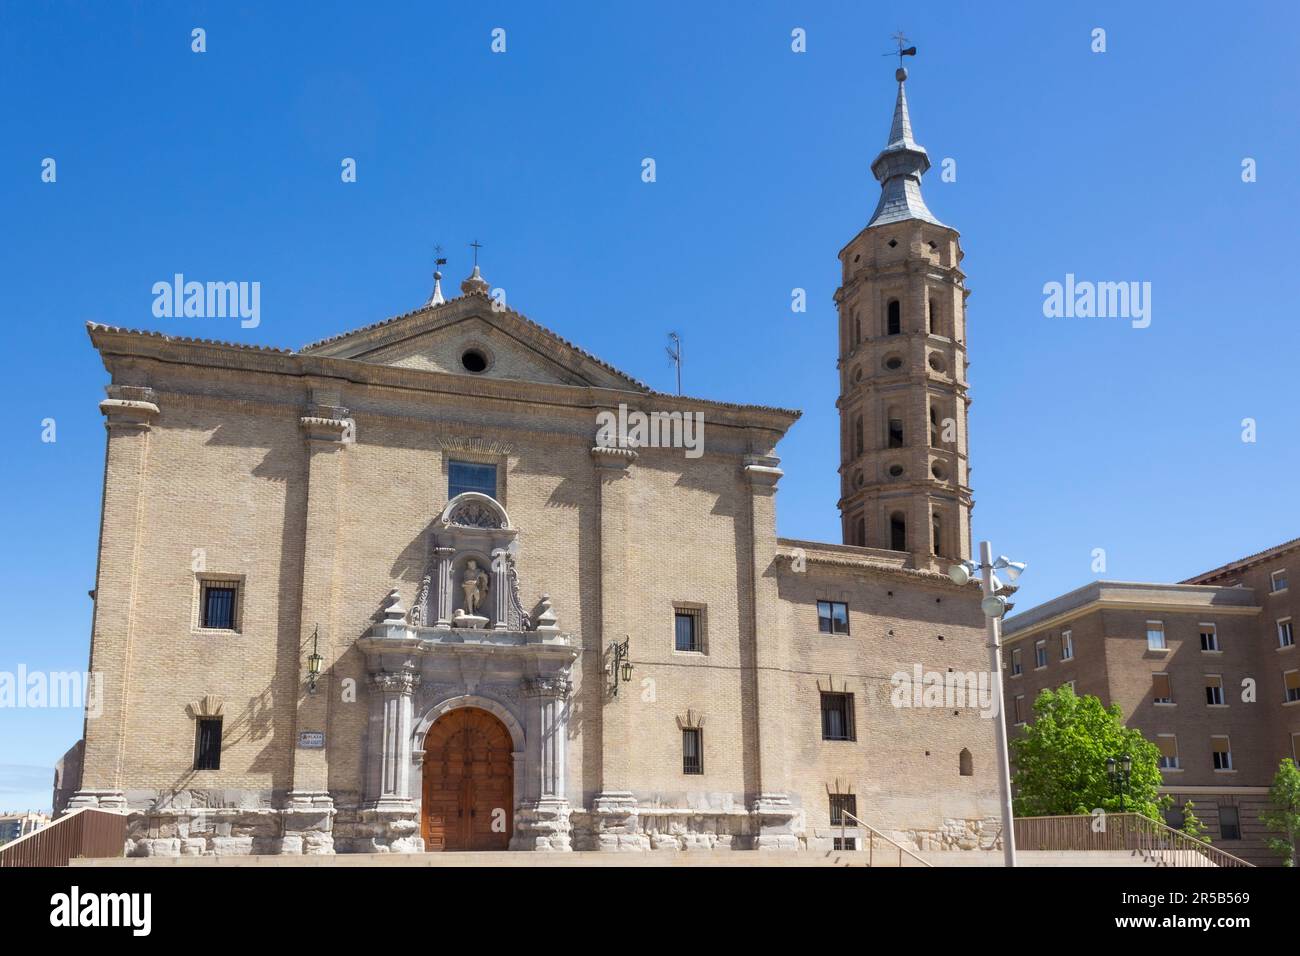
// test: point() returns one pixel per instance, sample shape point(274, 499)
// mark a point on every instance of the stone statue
point(474, 584)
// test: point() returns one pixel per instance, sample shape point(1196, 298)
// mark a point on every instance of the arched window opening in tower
point(966, 763)
point(895, 318)
point(934, 426)
point(897, 532)
point(895, 432)
point(938, 537)
point(861, 539)
point(858, 438)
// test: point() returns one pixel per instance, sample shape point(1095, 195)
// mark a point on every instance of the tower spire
point(901, 164)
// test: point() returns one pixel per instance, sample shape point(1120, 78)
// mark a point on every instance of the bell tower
point(904, 473)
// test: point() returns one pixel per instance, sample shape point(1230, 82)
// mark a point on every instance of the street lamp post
point(994, 606)
point(1119, 778)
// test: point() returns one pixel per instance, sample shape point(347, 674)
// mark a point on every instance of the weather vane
point(903, 50)
point(438, 258)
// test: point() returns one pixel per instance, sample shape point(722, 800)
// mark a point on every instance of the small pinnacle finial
point(475, 284)
point(900, 74)
point(438, 260)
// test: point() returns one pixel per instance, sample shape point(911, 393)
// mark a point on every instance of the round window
point(474, 361)
point(939, 471)
point(937, 363)
point(893, 363)
point(895, 471)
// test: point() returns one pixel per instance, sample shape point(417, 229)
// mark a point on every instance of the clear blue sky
point(1085, 433)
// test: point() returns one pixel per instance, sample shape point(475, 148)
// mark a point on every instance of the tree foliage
point(1284, 815)
point(1061, 758)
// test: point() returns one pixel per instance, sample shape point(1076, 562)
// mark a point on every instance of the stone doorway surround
point(426, 662)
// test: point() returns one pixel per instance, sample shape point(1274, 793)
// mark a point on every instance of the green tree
point(1061, 760)
point(1192, 824)
point(1284, 817)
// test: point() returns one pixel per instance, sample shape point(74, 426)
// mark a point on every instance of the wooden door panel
point(468, 774)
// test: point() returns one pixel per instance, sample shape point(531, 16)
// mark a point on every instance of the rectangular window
point(1168, 745)
point(837, 716)
point(1067, 645)
point(1040, 653)
point(1291, 681)
point(1213, 690)
point(463, 476)
point(1161, 692)
point(832, 617)
point(842, 803)
point(207, 743)
point(1222, 749)
point(1285, 635)
point(1015, 662)
point(1229, 823)
point(692, 750)
point(1018, 708)
point(218, 607)
point(844, 843)
point(688, 634)
point(1209, 637)
point(1155, 636)
point(1277, 580)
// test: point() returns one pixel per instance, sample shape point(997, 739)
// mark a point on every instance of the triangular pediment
point(456, 337)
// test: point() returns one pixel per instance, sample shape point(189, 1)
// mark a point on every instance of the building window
point(1213, 690)
point(1156, 636)
point(897, 532)
point(862, 532)
point(938, 537)
point(895, 433)
point(934, 317)
point(1229, 823)
point(894, 322)
point(859, 430)
point(219, 604)
point(466, 476)
point(688, 629)
point(1168, 745)
point(1018, 709)
point(1285, 635)
point(207, 743)
point(692, 750)
point(837, 716)
point(1222, 749)
point(1067, 645)
point(1016, 669)
point(844, 843)
point(1277, 580)
point(965, 763)
point(842, 804)
point(832, 617)
point(1209, 637)
point(1161, 692)
point(1291, 681)
point(1040, 654)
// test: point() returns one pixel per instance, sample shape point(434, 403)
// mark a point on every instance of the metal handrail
point(871, 843)
point(1156, 841)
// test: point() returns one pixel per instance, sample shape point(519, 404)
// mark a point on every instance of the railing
point(87, 832)
point(1152, 840)
point(872, 835)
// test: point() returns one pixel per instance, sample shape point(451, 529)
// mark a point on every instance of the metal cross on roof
point(476, 246)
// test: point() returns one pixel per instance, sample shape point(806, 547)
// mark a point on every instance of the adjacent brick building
point(1206, 669)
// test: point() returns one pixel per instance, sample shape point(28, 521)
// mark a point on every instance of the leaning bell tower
point(904, 472)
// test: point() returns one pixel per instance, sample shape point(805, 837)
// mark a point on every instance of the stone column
point(443, 608)
point(542, 822)
point(500, 589)
point(129, 413)
point(309, 816)
point(773, 814)
point(391, 719)
point(614, 809)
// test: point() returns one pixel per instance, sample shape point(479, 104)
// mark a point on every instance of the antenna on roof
point(675, 356)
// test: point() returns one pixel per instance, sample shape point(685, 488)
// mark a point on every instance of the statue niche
point(470, 579)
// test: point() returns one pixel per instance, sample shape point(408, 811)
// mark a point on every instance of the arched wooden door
point(468, 801)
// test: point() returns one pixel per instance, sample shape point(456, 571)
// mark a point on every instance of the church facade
point(411, 588)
